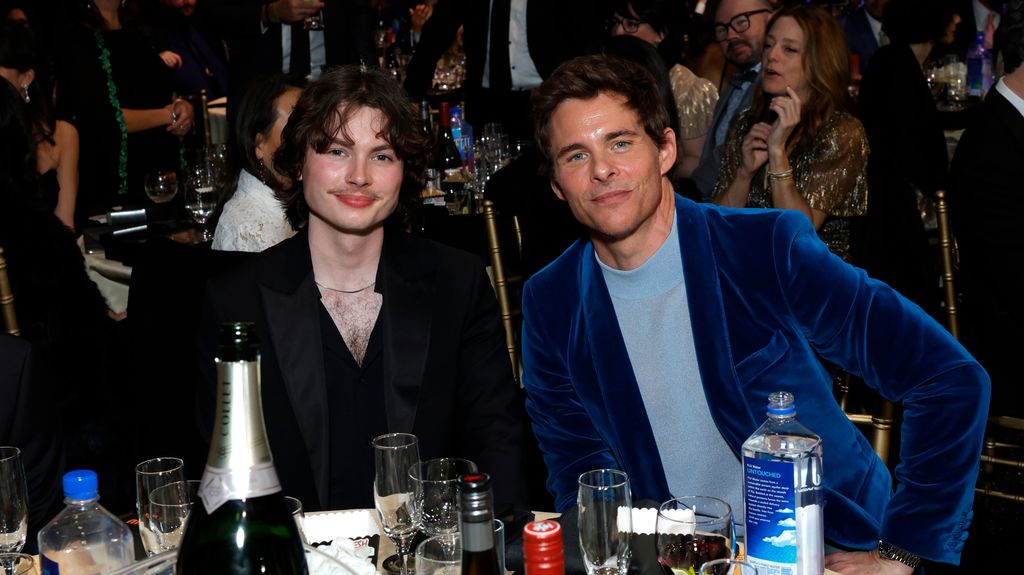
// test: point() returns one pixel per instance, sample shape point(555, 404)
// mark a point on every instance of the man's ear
point(667, 151)
point(557, 189)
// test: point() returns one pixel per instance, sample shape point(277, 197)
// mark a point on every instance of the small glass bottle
point(84, 538)
point(782, 496)
point(476, 523)
point(543, 550)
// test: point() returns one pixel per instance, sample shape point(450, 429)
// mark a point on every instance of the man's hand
point(171, 60)
point(288, 11)
point(419, 15)
point(865, 563)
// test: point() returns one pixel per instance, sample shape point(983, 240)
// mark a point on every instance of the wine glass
point(439, 555)
point(394, 492)
point(437, 494)
point(169, 508)
point(161, 187)
point(691, 531)
point(13, 501)
point(151, 475)
point(201, 197)
point(17, 564)
point(605, 521)
point(727, 567)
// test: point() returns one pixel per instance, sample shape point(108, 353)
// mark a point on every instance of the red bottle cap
point(542, 548)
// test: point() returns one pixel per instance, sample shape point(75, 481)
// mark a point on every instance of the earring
point(262, 175)
point(24, 87)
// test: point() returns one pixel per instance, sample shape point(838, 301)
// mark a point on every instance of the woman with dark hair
point(909, 158)
point(117, 91)
point(798, 147)
point(252, 218)
point(56, 140)
point(659, 23)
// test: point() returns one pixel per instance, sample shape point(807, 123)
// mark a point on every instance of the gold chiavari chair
point(879, 424)
point(504, 284)
point(947, 251)
point(7, 299)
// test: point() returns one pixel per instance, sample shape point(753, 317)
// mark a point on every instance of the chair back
point(7, 299)
point(878, 420)
point(504, 283)
point(947, 250)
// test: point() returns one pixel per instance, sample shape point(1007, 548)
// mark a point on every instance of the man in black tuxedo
point(863, 29)
point(537, 36)
point(270, 37)
point(366, 330)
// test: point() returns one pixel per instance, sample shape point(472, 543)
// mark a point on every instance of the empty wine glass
point(437, 494)
point(691, 531)
point(201, 197)
point(169, 508)
point(394, 491)
point(161, 187)
point(439, 555)
point(151, 475)
point(605, 521)
point(727, 567)
point(13, 501)
point(17, 564)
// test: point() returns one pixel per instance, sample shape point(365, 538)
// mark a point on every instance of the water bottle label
point(48, 566)
point(221, 485)
point(769, 500)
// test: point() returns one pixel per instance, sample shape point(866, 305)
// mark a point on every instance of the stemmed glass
point(605, 521)
point(17, 564)
point(727, 567)
point(201, 196)
point(161, 187)
point(169, 508)
point(151, 475)
point(13, 501)
point(394, 491)
point(691, 531)
point(437, 494)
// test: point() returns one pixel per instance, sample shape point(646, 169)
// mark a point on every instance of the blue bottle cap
point(81, 484)
point(781, 403)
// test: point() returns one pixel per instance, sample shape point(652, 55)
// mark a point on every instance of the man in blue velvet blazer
point(765, 302)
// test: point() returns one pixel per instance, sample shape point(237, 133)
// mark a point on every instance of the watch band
point(893, 553)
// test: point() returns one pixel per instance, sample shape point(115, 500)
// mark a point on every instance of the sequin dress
point(830, 173)
point(695, 100)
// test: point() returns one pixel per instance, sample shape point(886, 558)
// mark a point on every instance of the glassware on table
point(151, 475)
point(693, 530)
point(17, 564)
point(727, 567)
point(294, 506)
point(201, 197)
point(437, 495)
point(13, 501)
point(394, 492)
point(169, 507)
point(605, 521)
point(439, 555)
point(161, 187)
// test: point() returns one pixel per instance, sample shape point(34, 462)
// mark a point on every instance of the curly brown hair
point(323, 112)
point(587, 77)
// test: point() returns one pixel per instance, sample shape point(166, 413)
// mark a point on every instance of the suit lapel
point(707, 320)
point(291, 304)
point(407, 281)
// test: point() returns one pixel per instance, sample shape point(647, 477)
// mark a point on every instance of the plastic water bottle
point(782, 495)
point(84, 537)
point(975, 66)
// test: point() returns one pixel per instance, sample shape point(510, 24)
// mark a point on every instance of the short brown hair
point(324, 110)
point(587, 77)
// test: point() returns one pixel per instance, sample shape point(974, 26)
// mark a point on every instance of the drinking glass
point(13, 501)
point(17, 564)
point(693, 530)
point(439, 555)
point(727, 567)
point(605, 521)
point(150, 475)
point(161, 187)
point(394, 492)
point(201, 196)
point(437, 494)
point(169, 507)
point(294, 506)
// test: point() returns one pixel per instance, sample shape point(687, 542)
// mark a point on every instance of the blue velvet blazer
point(766, 298)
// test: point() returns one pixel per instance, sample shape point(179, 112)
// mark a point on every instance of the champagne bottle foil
point(222, 485)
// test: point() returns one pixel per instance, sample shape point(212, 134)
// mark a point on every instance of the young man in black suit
point(366, 330)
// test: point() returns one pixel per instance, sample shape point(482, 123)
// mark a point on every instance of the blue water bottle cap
point(81, 484)
point(781, 403)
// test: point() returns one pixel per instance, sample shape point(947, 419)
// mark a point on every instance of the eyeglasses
point(739, 23)
point(629, 25)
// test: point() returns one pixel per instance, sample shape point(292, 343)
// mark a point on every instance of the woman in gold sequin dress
point(797, 147)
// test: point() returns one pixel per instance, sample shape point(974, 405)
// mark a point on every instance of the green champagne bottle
point(240, 525)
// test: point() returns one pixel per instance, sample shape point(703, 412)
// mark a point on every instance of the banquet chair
point(506, 286)
point(7, 299)
point(879, 424)
point(947, 250)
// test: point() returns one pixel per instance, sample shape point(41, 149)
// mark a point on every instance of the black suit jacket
point(860, 37)
point(447, 373)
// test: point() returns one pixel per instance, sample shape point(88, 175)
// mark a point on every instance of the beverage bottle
point(240, 525)
point(542, 548)
point(462, 132)
point(448, 162)
point(84, 538)
point(782, 495)
point(476, 523)
point(975, 65)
